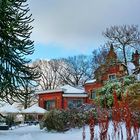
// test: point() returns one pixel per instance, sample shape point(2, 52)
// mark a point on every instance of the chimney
point(135, 58)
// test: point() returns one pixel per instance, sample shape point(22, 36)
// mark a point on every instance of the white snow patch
point(7, 108)
point(70, 89)
point(75, 95)
point(90, 81)
point(34, 133)
point(130, 67)
point(34, 109)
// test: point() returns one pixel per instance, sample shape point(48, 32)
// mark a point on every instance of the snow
point(34, 133)
point(34, 109)
point(138, 77)
point(70, 89)
point(130, 67)
point(75, 95)
point(66, 89)
point(90, 81)
point(7, 108)
point(49, 91)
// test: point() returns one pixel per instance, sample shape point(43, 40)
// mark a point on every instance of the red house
point(63, 98)
point(69, 97)
point(112, 69)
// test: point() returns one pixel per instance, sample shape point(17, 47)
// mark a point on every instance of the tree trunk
point(25, 106)
point(125, 59)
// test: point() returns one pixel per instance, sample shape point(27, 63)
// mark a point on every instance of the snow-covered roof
point(49, 91)
point(130, 67)
point(34, 109)
point(75, 95)
point(7, 108)
point(67, 89)
point(70, 89)
point(90, 81)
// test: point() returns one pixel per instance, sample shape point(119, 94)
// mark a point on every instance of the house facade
point(70, 97)
point(112, 69)
point(63, 98)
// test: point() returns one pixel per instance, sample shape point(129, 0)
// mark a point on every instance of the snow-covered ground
point(34, 133)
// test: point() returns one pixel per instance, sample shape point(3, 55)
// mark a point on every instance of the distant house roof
point(90, 81)
point(34, 110)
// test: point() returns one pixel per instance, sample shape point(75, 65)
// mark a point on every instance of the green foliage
point(106, 93)
point(66, 119)
point(133, 89)
point(56, 120)
point(109, 88)
point(15, 45)
point(127, 81)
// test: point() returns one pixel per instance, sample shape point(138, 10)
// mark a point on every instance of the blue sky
point(52, 50)
point(70, 27)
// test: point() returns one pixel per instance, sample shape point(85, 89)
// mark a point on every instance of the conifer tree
point(15, 45)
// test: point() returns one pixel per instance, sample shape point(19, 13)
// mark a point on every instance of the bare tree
point(76, 70)
point(123, 37)
point(72, 71)
point(29, 97)
point(99, 56)
point(49, 78)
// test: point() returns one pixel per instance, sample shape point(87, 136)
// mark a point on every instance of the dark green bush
point(56, 120)
point(65, 119)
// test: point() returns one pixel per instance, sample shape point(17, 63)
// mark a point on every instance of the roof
point(34, 109)
point(90, 81)
point(70, 89)
point(7, 108)
point(49, 91)
point(75, 95)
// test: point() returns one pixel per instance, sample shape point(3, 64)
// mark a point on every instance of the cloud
point(79, 22)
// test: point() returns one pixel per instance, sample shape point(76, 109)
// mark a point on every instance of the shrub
point(62, 120)
point(56, 120)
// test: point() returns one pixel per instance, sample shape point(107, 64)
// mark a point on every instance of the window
point(93, 95)
point(50, 104)
point(74, 103)
point(112, 77)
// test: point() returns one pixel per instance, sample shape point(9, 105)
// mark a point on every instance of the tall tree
point(15, 45)
point(123, 37)
point(77, 70)
point(28, 97)
point(99, 56)
point(73, 71)
point(49, 70)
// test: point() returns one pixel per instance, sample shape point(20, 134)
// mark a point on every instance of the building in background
point(111, 70)
point(71, 97)
point(63, 98)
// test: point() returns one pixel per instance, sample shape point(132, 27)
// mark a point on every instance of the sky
point(65, 28)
